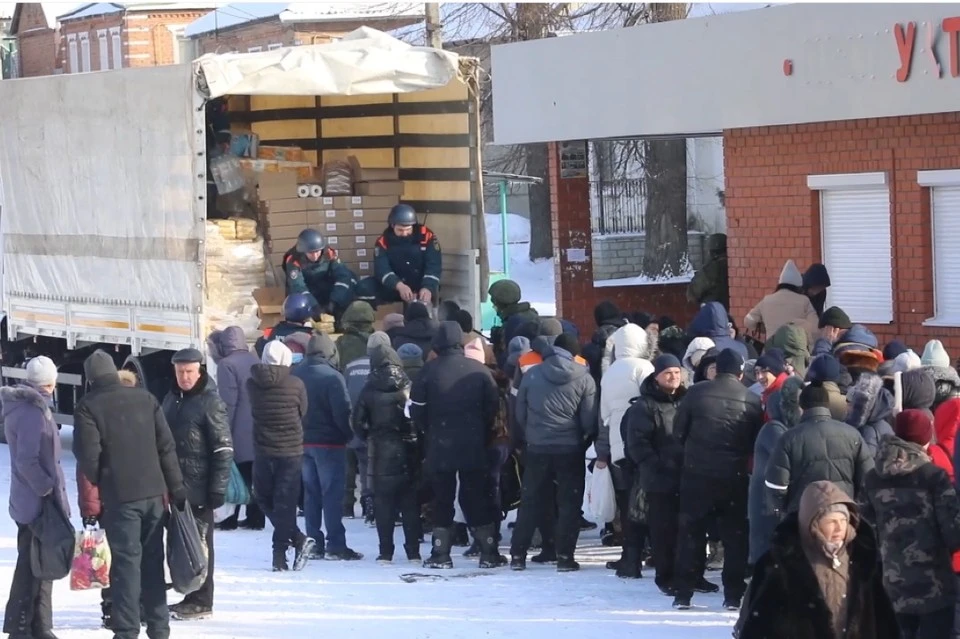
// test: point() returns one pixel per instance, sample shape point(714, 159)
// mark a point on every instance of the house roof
point(239, 14)
point(92, 9)
point(50, 12)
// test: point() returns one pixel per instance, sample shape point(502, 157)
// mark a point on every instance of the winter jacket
point(34, 442)
point(512, 318)
point(816, 275)
point(417, 329)
point(787, 304)
point(326, 423)
point(785, 600)
point(454, 402)
point(122, 440)
point(598, 352)
point(518, 347)
point(198, 421)
point(652, 444)
point(942, 449)
point(870, 410)
point(357, 322)
point(379, 419)
point(279, 402)
point(712, 321)
point(619, 386)
point(228, 348)
point(947, 383)
point(355, 375)
point(793, 340)
point(917, 516)
point(770, 390)
point(784, 409)
point(718, 422)
point(411, 366)
point(282, 330)
point(817, 448)
point(838, 403)
point(556, 406)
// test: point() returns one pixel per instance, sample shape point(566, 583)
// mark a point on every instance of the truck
point(105, 241)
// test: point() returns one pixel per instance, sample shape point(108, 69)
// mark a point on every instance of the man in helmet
point(298, 308)
point(314, 269)
point(406, 262)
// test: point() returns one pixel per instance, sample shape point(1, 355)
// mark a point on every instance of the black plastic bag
point(637, 503)
point(186, 551)
point(54, 540)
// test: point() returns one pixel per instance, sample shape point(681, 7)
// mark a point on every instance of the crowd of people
point(817, 463)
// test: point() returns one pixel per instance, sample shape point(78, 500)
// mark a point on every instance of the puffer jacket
point(229, 351)
point(556, 405)
point(947, 383)
point(817, 448)
point(917, 517)
point(942, 449)
point(787, 304)
point(718, 422)
point(379, 419)
point(418, 328)
point(870, 410)
point(712, 321)
point(198, 421)
point(357, 322)
point(279, 402)
point(652, 445)
point(327, 421)
point(619, 386)
point(599, 349)
point(784, 410)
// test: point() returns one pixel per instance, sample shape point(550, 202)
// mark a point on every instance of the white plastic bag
point(223, 512)
point(602, 500)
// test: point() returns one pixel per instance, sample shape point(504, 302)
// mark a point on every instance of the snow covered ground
point(536, 279)
point(366, 600)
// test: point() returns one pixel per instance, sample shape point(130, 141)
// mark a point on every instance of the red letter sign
point(951, 26)
point(905, 43)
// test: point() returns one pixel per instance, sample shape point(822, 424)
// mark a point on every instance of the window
point(85, 52)
point(855, 232)
point(116, 48)
point(945, 225)
point(103, 50)
point(274, 46)
point(74, 66)
point(254, 49)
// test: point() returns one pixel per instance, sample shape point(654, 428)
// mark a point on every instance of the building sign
point(906, 39)
point(573, 159)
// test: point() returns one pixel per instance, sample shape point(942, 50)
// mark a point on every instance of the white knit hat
point(276, 353)
point(42, 371)
point(935, 355)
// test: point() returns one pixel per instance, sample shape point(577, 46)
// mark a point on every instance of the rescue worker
point(298, 308)
point(313, 268)
point(406, 262)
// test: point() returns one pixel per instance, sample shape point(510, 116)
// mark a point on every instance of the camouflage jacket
point(917, 519)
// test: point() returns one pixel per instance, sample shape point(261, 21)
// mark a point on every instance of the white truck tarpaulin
point(364, 62)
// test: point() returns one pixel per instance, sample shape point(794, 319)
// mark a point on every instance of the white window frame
point(934, 180)
point(84, 52)
point(846, 182)
point(73, 54)
point(274, 46)
point(103, 49)
point(254, 49)
point(116, 48)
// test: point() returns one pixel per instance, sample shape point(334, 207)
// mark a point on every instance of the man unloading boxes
point(407, 262)
point(313, 268)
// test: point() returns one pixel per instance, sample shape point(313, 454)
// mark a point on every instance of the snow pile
point(536, 279)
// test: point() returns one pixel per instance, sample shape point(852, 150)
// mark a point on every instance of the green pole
point(503, 228)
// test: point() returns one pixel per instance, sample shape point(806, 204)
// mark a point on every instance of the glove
point(91, 522)
point(215, 500)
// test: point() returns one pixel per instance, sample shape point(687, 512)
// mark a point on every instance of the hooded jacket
point(787, 304)
point(279, 402)
point(651, 441)
point(556, 406)
point(711, 321)
point(326, 423)
point(947, 383)
point(917, 516)
point(121, 438)
point(817, 275)
point(228, 349)
point(870, 410)
point(357, 322)
point(417, 329)
point(598, 352)
point(942, 450)
point(454, 401)
point(619, 386)
point(786, 600)
point(792, 340)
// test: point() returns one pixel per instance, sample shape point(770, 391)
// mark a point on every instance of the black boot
point(490, 556)
point(567, 564)
point(473, 550)
point(230, 523)
point(547, 556)
point(440, 553)
point(280, 560)
point(460, 536)
point(629, 565)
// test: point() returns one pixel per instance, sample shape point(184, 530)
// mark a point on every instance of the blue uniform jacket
point(328, 279)
point(415, 260)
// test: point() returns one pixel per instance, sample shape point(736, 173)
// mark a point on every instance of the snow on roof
point(236, 14)
point(106, 8)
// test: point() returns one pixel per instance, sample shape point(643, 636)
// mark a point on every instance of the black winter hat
point(772, 360)
point(825, 368)
point(893, 349)
point(530, 330)
point(729, 362)
point(606, 311)
point(550, 326)
point(835, 316)
point(567, 342)
point(415, 311)
point(665, 361)
point(814, 396)
point(465, 320)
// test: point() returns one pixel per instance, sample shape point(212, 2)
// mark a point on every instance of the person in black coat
point(198, 420)
point(417, 329)
point(608, 318)
point(454, 401)
point(717, 422)
point(394, 455)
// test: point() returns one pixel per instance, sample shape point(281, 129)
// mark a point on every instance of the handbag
point(186, 551)
point(54, 540)
point(237, 492)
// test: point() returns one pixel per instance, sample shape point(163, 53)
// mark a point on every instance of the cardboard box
point(371, 230)
point(269, 321)
point(269, 299)
point(343, 242)
point(286, 205)
point(293, 218)
point(359, 202)
point(361, 174)
point(285, 234)
point(281, 153)
point(356, 255)
point(377, 217)
point(276, 186)
point(385, 187)
point(297, 169)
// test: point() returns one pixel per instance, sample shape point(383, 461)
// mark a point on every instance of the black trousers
point(933, 625)
point(278, 482)
point(204, 596)
point(476, 497)
point(29, 608)
point(395, 495)
point(663, 521)
point(540, 472)
point(135, 532)
point(700, 498)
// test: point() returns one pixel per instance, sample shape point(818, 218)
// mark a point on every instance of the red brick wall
point(37, 42)
point(576, 295)
point(772, 215)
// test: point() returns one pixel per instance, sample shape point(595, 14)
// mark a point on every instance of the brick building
point(841, 136)
point(35, 27)
point(243, 28)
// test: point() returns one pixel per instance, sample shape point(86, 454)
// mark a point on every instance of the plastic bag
point(227, 174)
point(237, 491)
point(223, 512)
point(602, 500)
point(337, 178)
point(637, 503)
point(186, 551)
point(91, 561)
point(54, 540)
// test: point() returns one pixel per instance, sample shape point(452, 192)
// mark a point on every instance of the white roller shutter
point(946, 252)
point(857, 254)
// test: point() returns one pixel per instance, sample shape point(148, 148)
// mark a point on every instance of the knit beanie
point(410, 351)
point(914, 425)
point(665, 361)
point(935, 355)
point(835, 316)
point(606, 311)
point(825, 368)
point(772, 360)
point(377, 338)
point(42, 371)
point(730, 362)
point(814, 396)
point(893, 349)
point(567, 342)
point(392, 320)
point(275, 353)
point(550, 327)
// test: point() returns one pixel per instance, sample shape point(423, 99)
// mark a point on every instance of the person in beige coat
point(787, 304)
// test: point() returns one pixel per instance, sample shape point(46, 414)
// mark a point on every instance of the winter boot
point(186, 611)
point(440, 553)
point(681, 602)
point(518, 563)
point(706, 587)
point(280, 561)
point(413, 553)
point(230, 523)
point(547, 556)
point(348, 512)
point(385, 557)
point(473, 550)
point(586, 525)
point(566, 563)
point(460, 536)
point(303, 548)
point(490, 556)
point(106, 614)
point(629, 567)
point(613, 565)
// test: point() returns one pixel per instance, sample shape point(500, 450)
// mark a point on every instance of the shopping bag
point(601, 498)
point(186, 551)
point(224, 512)
point(637, 503)
point(91, 561)
point(237, 491)
point(54, 539)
